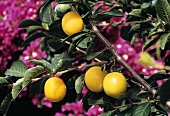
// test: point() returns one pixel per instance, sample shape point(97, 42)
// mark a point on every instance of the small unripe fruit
point(62, 9)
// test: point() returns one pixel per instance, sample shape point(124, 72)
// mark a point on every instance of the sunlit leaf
point(79, 83)
point(31, 74)
point(146, 59)
point(17, 88)
point(163, 40)
point(60, 61)
point(17, 69)
point(49, 67)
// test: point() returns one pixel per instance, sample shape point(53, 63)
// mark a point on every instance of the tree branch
point(120, 60)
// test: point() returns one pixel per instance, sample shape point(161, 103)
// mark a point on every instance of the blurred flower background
point(11, 38)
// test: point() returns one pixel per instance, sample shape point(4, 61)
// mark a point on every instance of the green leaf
point(156, 33)
point(3, 81)
point(93, 55)
point(49, 67)
point(86, 106)
point(146, 59)
point(55, 45)
point(135, 12)
point(71, 48)
point(32, 37)
point(17, 69)
point(150, 42)
point(140, 27)
point(47, 15)
point(5, 104)
point(158, 76)
point(32, 29)
point(163, 40)
point(68, 2)
point(55, 32)
point(142, 109)
point(84, 43)
point(17, 88)
point(163, 92)
point(134, 37)
point(28, 22)
point(124, 33)
point(31, 74)
point(57, 57)
point(61, 61)
point(79, 83)
point(38, 86)
point(43, 44)
point(92, 101)
point(76, 36)
point(44, 11)
point(109, 113)
point(71, 83)
point(108, 14)
point(89, 48)
point(161, 7)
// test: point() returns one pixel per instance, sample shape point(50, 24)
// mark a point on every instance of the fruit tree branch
point(120, 60)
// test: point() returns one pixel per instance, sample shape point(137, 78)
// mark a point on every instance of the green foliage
point(5, 104)
point(164, 96)
point(79, 83)
point(142, 110)
point(162, 8)
point(17, 88)
point(3, 81)
point(145, 21)
point(29, 22)
point(17, 69)
point(32, 37)
point(38, 86)
point(31, 74)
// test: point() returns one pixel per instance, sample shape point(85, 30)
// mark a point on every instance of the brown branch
point(120, 60)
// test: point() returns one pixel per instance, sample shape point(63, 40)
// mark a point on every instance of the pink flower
point(47, 103)
point(32, 52)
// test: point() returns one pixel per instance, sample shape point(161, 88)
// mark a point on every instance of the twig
point(120, 60)
point(79, 67)
point(124, 22)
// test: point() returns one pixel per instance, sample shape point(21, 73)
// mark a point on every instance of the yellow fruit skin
point(55, 89)
point(114, 84)
point(94, 79)
point(72, 23)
